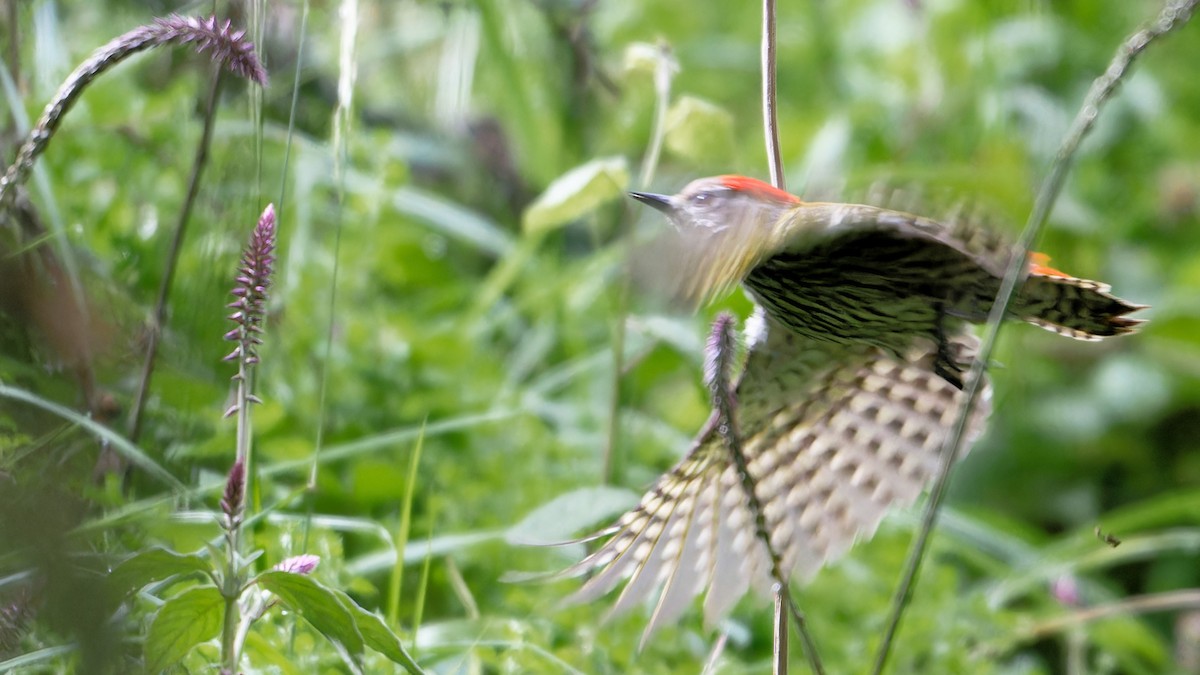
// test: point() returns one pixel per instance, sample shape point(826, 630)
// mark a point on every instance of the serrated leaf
point(378, 636)
point(319, 605)
point(153, 565)
point(699, 130)
point(576, 193)
point(183, 622)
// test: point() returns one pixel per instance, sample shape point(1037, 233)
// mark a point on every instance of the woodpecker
point(852, 273)
point(850, 385)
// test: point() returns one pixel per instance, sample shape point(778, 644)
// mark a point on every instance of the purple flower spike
point(250, 293)
point(235, 491)
point(225, 44)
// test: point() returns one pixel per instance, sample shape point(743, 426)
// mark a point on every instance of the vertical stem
point(663, 71)
point(724, 402)
point(231, 589)
point(243, 420)
point(769, 107)
point(231, 577)
point(781, 635)
point(229, 629)
point(400, 541)
point(14, 40)
point(783, 598)
point(168, 280)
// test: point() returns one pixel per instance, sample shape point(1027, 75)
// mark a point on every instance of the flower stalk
point(249, 311)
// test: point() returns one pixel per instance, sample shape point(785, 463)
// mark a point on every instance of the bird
point(863, 274)
point(850, 385)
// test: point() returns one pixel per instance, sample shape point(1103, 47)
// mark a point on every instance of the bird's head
point(724, 226)
point(721, 203)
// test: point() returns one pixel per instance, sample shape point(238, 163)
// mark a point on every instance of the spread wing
point(694, 265)
point(834, 437)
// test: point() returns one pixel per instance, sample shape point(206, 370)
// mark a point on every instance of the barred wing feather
point(835, 435)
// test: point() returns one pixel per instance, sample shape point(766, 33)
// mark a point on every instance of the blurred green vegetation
point(414, 289)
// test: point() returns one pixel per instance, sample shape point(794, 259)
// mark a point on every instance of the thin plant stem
point(783, 596)
point(347, 67)
point(714, 654)
point(13, 57)
point(1174, 14)
point(775, 168)
point(242, 400)
point(1143, 604)
point(229, 626)
point(722, 353)
point(233, 504)
point(341, 119)
point(291, 128)
point(780, 645)
point(402, 533)
point(253, 282)
point(1076, 656)
point(664, 71)
point(159, 321)
point(769, 106)
point(423, 585)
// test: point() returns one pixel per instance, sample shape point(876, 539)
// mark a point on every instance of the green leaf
point(337, 616)
point(270, 655)
point(183, 622)
point(118, 443)
point(699, 130)
point(576, 193)
point(561, 518)
point(377, 635)
point(381, 561)
point(319, 605)
point(453, 220)
point(41, 657)
point(153, 565)
point(1131, 641)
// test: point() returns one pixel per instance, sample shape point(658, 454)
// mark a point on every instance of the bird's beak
point(661, 202)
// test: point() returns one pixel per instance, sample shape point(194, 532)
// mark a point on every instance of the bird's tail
point(1078, 308)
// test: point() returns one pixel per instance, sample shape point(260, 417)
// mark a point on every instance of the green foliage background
point(416, 290)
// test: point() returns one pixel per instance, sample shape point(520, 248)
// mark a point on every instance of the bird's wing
point(837, 230)
point(695, 265)
point(834, 437)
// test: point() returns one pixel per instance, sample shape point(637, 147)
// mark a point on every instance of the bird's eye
point(703, 199)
